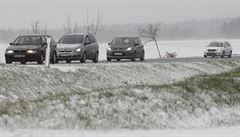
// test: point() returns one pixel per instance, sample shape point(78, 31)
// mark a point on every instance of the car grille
point(211, 49)
point(19, 51)
point(65, 50)
point(121, 49)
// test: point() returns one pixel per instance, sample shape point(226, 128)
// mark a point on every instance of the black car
point(28, 48)
point(77, 47)
point(125, 48)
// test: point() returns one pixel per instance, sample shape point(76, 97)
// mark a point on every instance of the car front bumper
point(69, 55)
point(23, 56)
point(216, 53)
point(120, 54)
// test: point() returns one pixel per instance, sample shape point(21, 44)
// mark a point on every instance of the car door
point(44, 46)
point(87, 45)
point(94, 45)
point(138, 47)
point(227, 48)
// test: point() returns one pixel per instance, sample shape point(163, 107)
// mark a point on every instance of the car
point(216, 48)
point(29, 48)
point(125, 48)
point(80, 47)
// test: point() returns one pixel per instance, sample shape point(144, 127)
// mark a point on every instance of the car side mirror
point(109, 43)
point(11, 43)
point(87, 43)
point(136, 44)
point(44, 44)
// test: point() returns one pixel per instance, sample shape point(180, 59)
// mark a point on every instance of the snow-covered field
point(110, 99)
point(116, 99)
point(212, 132)
point(187, 48)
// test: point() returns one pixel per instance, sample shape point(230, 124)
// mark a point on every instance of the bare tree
point(45, 29)
point(95, 26)
point(67, 27)
point(35, 27)
point(151, 32)
point(76, 28)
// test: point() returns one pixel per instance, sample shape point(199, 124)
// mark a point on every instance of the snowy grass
point(121, 96)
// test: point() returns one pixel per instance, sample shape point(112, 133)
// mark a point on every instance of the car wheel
point(109, 59)
point(142, 57)
point(40, 59)
point(53, 60)
point(230, 55)
point(118, 59)
point(134, 57)
point(83, 59)
point(95, 60)
point(23, 61)
point(8, 61)
point(68, 61)
point(223, 54)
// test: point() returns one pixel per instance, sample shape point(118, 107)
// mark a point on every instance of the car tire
point(23, 61)
point(118, 59)
point(83, 59)
point(134, 57)
point(40, 59)
point(230, 54)
point(142, 57)
point(223, 54)
point(109, 59)
point(68, 61)
point(8, 61)
point(53, 59)
point(95, 60)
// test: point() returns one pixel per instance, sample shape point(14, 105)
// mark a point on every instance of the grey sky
point(20, 13)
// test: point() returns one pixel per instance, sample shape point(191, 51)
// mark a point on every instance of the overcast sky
point(20, 13)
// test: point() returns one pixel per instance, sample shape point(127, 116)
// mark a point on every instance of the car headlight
point(109, 49)
point(31, 51)
point(9, 51)
point(78, 49)
point(129, 49)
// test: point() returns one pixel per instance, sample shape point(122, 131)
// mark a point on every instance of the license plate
point(118, 54)
point(19, 56)
point(65, 55)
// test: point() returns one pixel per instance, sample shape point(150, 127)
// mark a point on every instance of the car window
point(92, 39)
point(71, 39)
point(87, 40)
point(123, 41)
point(28, 40)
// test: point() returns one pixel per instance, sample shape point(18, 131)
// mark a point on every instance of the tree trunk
point(157, 48)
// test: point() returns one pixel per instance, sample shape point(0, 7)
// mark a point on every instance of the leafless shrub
point(170, 54)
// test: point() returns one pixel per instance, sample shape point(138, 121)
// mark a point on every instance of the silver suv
point(216, 48)
point(77, 47)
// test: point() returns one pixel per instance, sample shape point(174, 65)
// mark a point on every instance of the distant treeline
point(227, 28)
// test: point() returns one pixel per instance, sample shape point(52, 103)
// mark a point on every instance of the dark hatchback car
point(125, 48)
point(28, 48)
point(77, 47)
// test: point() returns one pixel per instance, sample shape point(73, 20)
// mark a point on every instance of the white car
point(216, 48)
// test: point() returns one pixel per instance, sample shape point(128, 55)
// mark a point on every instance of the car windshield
point(215, 44)
point(123, 41)
point(71, 39)
point(28, 40)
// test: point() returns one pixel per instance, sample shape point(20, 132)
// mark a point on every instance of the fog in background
point(180, 19)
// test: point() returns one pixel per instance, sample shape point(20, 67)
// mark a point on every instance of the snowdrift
point(117, 96)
